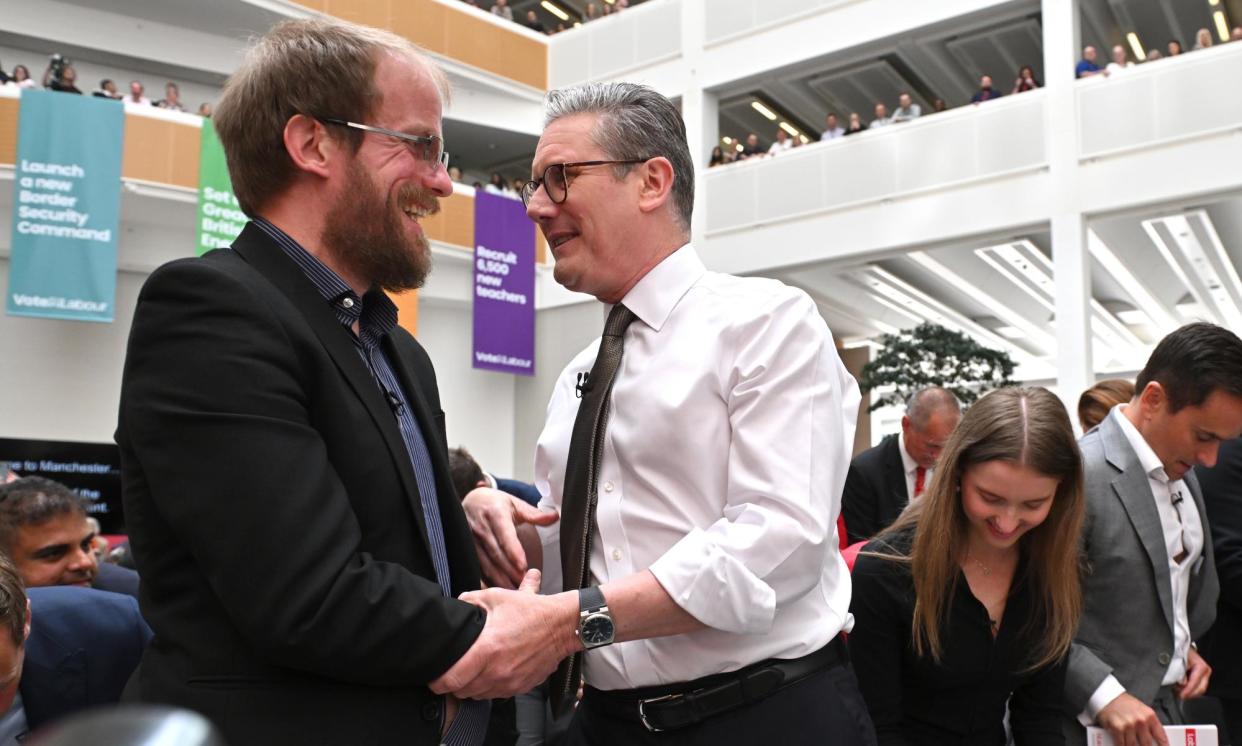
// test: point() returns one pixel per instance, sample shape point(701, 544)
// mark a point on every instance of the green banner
point(219, 217)
point(66, 207)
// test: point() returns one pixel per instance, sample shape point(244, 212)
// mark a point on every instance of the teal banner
point(66, 207)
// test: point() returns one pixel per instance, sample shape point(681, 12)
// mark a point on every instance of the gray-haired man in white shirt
point(713, 596)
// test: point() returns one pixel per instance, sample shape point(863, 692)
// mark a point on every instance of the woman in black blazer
point(970, 600)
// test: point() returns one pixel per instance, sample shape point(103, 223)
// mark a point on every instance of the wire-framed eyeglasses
point(429, 148)
point(555, 183)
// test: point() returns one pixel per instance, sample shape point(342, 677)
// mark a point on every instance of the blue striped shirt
point(376, 317)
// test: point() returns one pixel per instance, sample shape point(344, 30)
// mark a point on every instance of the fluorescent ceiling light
point(727, 140)
point(804, 139)
point(1136, 46)
point(739, 147)
point(759, 107)
point(790, 129)
point(1222, 28)
point(555, 10)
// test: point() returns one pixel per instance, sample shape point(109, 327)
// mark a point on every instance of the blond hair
point(1026, 426)
point(318, 67)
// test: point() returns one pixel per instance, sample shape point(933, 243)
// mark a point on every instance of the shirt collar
point(653, 298)
point(907, 461)
point(1148, 459)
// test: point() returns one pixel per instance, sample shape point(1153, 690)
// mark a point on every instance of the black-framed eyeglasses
point(429, 148)
point(555, 183)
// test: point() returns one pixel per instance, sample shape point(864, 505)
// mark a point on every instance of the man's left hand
point(523, 639)
point(1198, 674)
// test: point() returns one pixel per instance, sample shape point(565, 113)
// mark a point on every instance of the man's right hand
point(1131, 722)
point(494, 517)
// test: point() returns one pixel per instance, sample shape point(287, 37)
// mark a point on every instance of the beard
point(365, 232)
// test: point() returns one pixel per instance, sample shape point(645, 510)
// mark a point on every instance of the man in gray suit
point(1150, 586)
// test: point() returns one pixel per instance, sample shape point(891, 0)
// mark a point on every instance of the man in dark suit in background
point(283, 453)
point(883, 479)
point(1222, 647)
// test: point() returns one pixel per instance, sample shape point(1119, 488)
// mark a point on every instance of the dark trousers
point(824, 708)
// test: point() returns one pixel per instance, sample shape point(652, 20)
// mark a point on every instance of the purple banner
point(504, 285)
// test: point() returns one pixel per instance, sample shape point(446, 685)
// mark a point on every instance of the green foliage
point(930, 355)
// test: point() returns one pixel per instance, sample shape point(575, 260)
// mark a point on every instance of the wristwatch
point(595, 626)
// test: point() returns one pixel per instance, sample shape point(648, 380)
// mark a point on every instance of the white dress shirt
point(911, 466)
point(1183, 531)
point(731, 426)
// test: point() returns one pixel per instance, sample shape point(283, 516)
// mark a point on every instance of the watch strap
point(590, 598)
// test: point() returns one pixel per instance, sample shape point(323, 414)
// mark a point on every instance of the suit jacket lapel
point(269, 259)
point(1134, 491)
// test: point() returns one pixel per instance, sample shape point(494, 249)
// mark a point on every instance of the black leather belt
point(681, 705)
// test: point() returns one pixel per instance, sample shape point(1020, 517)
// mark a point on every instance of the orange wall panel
point(160, 151)
point(407, 310)
point(369, 12)
point(8, 130)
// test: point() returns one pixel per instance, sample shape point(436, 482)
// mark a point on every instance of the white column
point(1070, 259)
point(700, 109)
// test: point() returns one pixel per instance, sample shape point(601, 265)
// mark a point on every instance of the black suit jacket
point(116, 579)
point(83, 646)
point(274, 514)
point(875, 490)
point(1222, 496)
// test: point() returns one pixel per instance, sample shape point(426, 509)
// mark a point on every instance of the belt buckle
point(642, 713)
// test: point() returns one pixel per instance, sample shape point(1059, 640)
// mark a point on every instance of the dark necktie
point(578, 497)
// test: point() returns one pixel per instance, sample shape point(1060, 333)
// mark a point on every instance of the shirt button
point(607, 486)
point(616, 555)
point(1164, 659)
point(348, 302)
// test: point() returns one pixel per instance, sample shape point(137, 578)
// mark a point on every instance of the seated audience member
point(204, 110)
point(172, 98)
point(1097, 401)
point(1119, 62)
point(751, 149)
point(1203, 39)
point(501, 8)
point(44, 531)
point(1086, 67)
point(834, 128)
point(1174, 47)
point(1222, 647)
point(21, 77)
point(718, 157)
point(986, 92)
point(1150, 587)
point(882, 480)
point(1026, 80)
point(62, 650)
point(881, 116)
point(532, 22)
point(135, 94)
point(66, 83)
point(906, 109)
point(107, 89)
point(783, 143)
point(969, 602)
point(939, 105)
point(855, 125)
point(467, 475)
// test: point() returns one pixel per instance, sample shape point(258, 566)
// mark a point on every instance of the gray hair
point(635, 122)
point(923, 403)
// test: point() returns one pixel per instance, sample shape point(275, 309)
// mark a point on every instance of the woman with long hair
point(971, 599)
point(1026, 80)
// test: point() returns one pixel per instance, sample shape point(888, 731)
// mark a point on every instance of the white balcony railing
point(644, 35)
point(962, 146)
point(727, 19)
point(1165, 101)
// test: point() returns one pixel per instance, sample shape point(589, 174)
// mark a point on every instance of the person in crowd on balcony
point(496, 184)
point(1086, 67)
point(906, 109)
point(4, 77)
point(592, 12)
point(752, 148)
point(986, 92)
point(939, 105)
point(1026, 80)
point(515, 185)
point(1119, 62)
point(21, 77)
point(883, 480)
point(1154, 54)
point(1222, 647)
point(969, 602)
point(204, 110)
point(1174, 47)
point(107, 89)
point(1203, 39)
point(455, 174)
point(783, 142)
point(172, 98)
point(718, 157)
point(532, 22)
point(65, 81)
point(560, 27)
point(833, 130)
point(1235, 34)
point(136, 96)
point(1097, 401)
point(1151, 585)
point(501, 8)
point(622, 5)
point(713, 597)
point(881, 116)
point(855, 124)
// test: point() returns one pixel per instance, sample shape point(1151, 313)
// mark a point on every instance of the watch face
point(597, 630)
